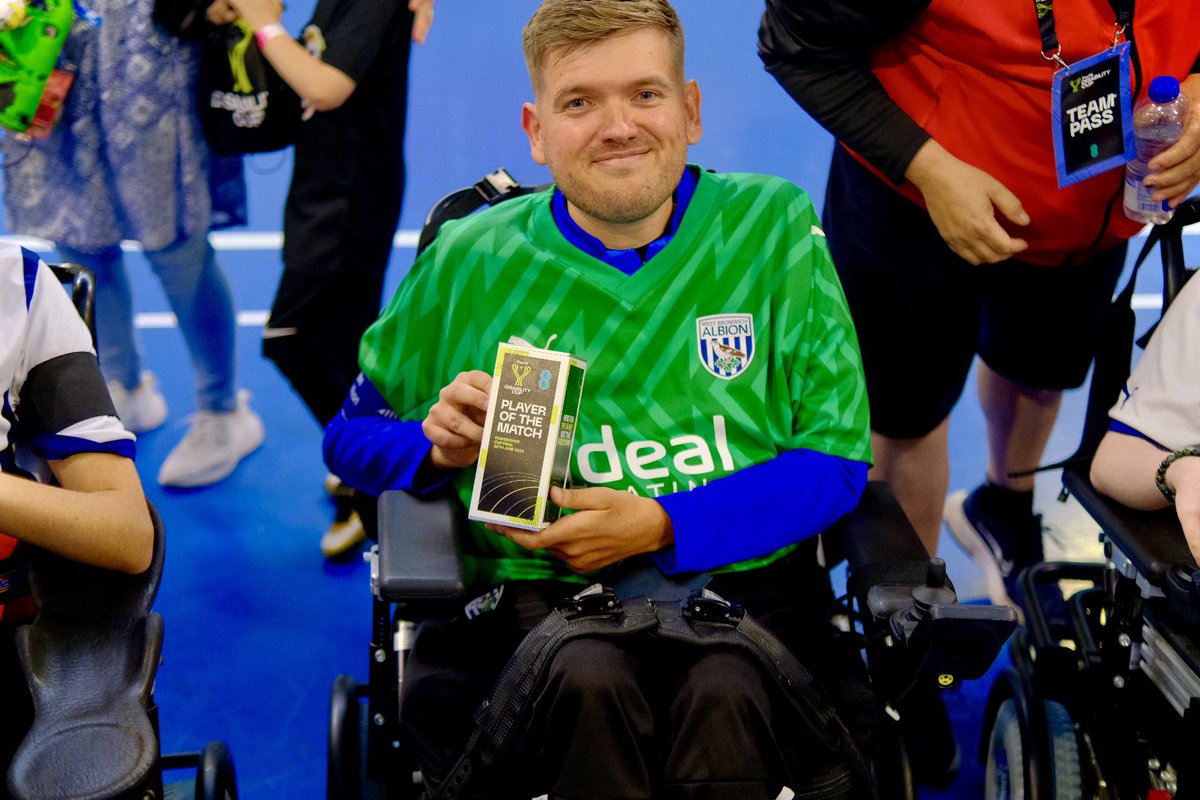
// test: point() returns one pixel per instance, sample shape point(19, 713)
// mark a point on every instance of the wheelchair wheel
point(346, 776)
point(1008, 749)
point(346, 764)
point(216, 779)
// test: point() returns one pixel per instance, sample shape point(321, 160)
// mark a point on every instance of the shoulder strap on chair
point(489, 190)
point(704, 619)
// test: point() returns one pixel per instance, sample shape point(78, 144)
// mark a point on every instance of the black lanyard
point(1051, 49)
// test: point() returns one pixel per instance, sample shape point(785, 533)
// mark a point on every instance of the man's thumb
point(1009, 205)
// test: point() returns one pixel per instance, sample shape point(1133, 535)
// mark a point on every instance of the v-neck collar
point(628, 260)
point(632, 289)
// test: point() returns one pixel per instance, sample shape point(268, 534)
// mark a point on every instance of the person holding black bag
point(245, 106)
point(343, 205)
point(127, 161)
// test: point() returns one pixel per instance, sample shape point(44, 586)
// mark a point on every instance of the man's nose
point(620, 121)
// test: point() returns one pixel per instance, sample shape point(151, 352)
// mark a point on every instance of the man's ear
point(533, 129)
point(691, 99)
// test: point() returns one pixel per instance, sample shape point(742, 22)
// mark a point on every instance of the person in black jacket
point(343, 205)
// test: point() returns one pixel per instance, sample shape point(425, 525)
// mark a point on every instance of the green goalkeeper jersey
point(732, 345)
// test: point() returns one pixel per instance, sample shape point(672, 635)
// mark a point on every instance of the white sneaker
point(142, 408)
point(213, 447)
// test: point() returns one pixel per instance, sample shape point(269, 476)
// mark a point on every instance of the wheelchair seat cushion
point(89, 658)
point(92, 736)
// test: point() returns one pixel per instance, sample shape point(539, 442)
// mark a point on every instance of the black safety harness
point(702, 619)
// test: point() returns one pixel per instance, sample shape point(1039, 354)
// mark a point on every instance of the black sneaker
point(998, 534)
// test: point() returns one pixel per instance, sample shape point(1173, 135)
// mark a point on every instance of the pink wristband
point(268, 32)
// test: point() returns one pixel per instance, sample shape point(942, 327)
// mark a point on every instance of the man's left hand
point(1175, 171)
point(608, 526)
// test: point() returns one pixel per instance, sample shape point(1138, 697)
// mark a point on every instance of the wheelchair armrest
point(417, 556)
point(1152, 540)
point(89, 657)
point(1151, 543)
point(908, 602)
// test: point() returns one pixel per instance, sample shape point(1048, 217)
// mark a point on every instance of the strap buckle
point(1056, 57)
point(495, 185)
point(709, 607)
point(596, 600)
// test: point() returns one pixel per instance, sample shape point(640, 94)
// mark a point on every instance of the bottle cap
point(1163, 89)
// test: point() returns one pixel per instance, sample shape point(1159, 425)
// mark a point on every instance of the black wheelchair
point(913, 630)
point(1103, 699)
point(90, 657)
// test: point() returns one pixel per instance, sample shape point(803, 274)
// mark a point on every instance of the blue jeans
point(199, 295)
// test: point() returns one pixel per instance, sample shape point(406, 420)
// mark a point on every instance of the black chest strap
point(704, 619)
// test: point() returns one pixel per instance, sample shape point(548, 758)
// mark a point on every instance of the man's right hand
point(455, 422)
point(962, 202)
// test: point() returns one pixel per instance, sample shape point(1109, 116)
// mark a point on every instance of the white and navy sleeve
point(57, 395)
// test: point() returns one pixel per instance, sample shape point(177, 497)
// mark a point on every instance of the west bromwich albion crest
point(726, 343)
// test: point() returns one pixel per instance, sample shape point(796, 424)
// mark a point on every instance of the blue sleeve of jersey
point(372, 450)
point(760, 509)
point(1116, 426)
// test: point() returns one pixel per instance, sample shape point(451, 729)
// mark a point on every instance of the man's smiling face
point(613, 122)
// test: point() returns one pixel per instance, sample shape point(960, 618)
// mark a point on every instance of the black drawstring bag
point(245, 107)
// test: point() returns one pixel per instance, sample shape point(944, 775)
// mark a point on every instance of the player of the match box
point(527, 436)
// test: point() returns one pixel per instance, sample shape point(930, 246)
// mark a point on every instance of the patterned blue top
point(127, 160)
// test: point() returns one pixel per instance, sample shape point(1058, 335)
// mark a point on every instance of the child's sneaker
point(213, 447)
point(142, 408)
point(347, 531)
point(343, 535)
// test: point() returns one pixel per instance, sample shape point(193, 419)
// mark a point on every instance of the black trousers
point(641, 717)
point(339, 220)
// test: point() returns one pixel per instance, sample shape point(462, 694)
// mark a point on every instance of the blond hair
point(566, 25)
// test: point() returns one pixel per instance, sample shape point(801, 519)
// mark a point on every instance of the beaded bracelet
point(1160, 476)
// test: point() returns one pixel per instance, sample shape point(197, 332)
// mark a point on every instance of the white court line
point(404, 240)
point(246, 241)
point(166, 319)
point(273, 240)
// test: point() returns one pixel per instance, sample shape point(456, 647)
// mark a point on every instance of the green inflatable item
point(28, 54)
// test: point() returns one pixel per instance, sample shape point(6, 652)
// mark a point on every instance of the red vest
point(971, 73)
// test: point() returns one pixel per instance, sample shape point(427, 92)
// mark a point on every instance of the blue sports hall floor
point(258, 623)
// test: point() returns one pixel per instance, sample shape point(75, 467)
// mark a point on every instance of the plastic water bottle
point(1158, 121)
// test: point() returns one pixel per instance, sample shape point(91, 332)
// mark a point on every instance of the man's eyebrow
point(574, 90)
point(570, 91)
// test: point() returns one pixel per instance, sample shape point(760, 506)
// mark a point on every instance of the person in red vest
point(949, 229)
point(951, 234)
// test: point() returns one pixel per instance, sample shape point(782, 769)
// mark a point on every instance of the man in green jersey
point(723, 426)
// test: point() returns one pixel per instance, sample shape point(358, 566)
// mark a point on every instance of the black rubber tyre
point(345, 763)
point(1008, 745)
point(217, 778)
